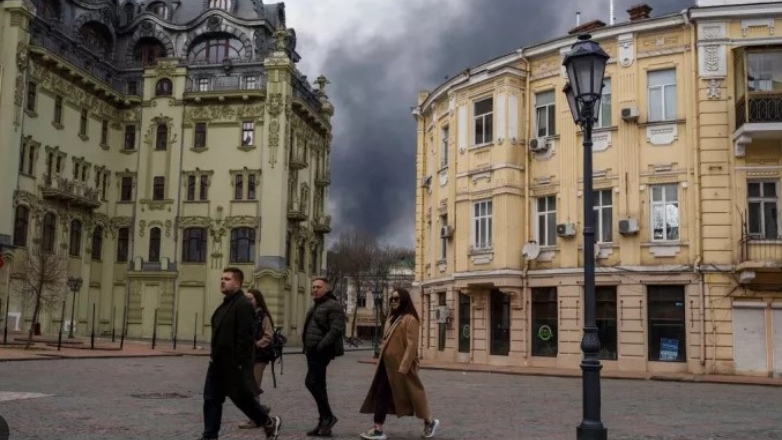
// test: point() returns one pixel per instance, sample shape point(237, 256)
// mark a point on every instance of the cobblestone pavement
point(160, 398)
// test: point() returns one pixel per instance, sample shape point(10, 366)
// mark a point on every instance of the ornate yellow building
point(687, 159)
point(154, 143)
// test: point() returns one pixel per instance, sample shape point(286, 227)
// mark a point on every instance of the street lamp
point(585, 65)
point(377, 295)
point(75, 284)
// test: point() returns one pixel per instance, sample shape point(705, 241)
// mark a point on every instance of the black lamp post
point(585, 65)
point(74, 283)
point(377, 295)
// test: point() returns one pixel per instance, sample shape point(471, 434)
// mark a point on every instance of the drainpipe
point(174, 322)
point(526, 207)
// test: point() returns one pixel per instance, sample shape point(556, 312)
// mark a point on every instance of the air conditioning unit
point(628, 226)
point(538, 145)
point(566, 229)
point(443, 314)
point(446, 231)
point(630, 114)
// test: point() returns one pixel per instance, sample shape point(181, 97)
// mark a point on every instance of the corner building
point(687, 160)
point(154, 143)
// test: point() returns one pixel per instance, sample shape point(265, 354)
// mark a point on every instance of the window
point(104, 132)
point(763, 209)
point(74, 249)
point(500, 323)
point(48, 9)
point(123, 244)
point(21, 225)
point(220, 4)
point(215, 48)
point(361, 300)
point(48, 232)
point(126, 189)
point(544, 321)
point(154, 245)
point(104, 184)
point(301, 257)
point(132, 88)
point(130, 137)
point(667, 330)
point(288, 249)
point(444, 147)
point(484, 121)
point(161, 136)
point(764, 71)
point(314, 257)
point(545, 114)
point(482, 223)
point(441, 326)
point(191, 188)
point(164, 87)
point(248, 133)
point(251, 187)
point(443, 240)
point(147, 51)
point(250, 82)
point(129, 10)
point(604, 113)
point(603, 215)
point(27, 159)
point(199, 140)
point(605, 297)
point(238, 186)
point(204, 187)
point(203, 84)
point(547, 220)
point(665, 212)
point(464, 323)
point(158, 188)
point(32, 92)
point(242, 245)
point(194, 245)
point(662, 95)
point(97, 243)
point(57, 119)
point(159, 9)
point(96, 37)
point(83, 123)
point(58, 168)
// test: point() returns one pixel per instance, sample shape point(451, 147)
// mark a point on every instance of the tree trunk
point(355, 309)
point(34, 321)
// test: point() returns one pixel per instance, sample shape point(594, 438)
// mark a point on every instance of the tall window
point(484, 121)
point(604, 113)
point(606, 321)
point(159, 9)
point(97, 243)
point(444, 134)
point(482, 225)
point(161, 136)
point(238, 186)
point(665, 212)
point(545, 114)
point(545, 321)
point(443, 238)
point(32, 93)
point(204, 195)
point(242, 245)
point(191, 188)
point(763, 212)
point(147, 51)
point(104, 132)
point(164, 87)
point(48, 232)
point(248, 132)
point(314, 257)
point(764, 71)
point(154, 245)
point(194, 245)
point(57, 119)
point(301, 256)
point(130, 137)
point(220, 4)
point(250, 82)
point(158, 188)
point(75, 245)
point(126, 189)
point(547, 220)
point(83, 123)
point(500, 323)
point(203, 84)
point(667, 326)
point(199, 140)
point(215, 48)
point(464, 323)
point(123, 244)
point(21, 225)
point(662, 95)
point(441, 326)
point(251, 187)
point(603, 215)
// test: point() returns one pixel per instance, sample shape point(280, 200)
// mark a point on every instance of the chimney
point(587, 27)
point(639, 12)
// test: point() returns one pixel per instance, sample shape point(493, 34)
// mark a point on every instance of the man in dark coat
point(324, 328)
point(230, 370)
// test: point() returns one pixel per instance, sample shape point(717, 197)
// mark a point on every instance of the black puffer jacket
point(324, 327)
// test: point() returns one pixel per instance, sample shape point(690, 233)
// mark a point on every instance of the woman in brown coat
point(264, 329)
point(396, 388)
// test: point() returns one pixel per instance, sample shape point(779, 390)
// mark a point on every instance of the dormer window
point(214, 48)
point(159, 9)
point(163, 87)
point(220, 4)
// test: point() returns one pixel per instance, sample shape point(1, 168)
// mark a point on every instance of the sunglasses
point(393, 299)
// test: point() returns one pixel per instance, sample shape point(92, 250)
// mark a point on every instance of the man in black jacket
point(324, 328)
point(230, 370)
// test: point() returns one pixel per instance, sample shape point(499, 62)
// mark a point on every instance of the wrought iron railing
point(303, 91)
point(760, 247)
point(216, 83)
point(759, 107)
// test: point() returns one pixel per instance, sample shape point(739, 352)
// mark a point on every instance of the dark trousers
point(241, 394)
point(316, 383)
point(383, 395)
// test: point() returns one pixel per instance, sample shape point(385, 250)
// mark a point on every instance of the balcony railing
point(761, 249)
point(224, 83)
point(303, 91)
point(322, 177)
point(322, 223)
point(298, 159)
point(71, 191)
point(759, 107)
point(297, 212)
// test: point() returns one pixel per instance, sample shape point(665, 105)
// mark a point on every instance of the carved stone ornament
point(275, 104)
point(146, 28)
point(714, 89)
point(213, 23)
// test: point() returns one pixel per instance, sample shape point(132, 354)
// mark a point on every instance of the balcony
point(298, 158)
point(218, 86)
point(322, 224)
point(322, 177)
point(71, 192)
point(759, 98)
point(296, 211)
point(761, 260)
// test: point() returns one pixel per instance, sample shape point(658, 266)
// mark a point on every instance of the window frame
point(75, 238)
point(663, 100)
point(602, 210)
point(194, 245)
point(159, 188)
point(96, 251)
point(604, 114)
point(486, 119)
point(155, 240)
point(239, 254)
point(546, 233)
point(21, 225)
point(482, 221)
point(664, 203)
point(550, 112)
point(763, 200)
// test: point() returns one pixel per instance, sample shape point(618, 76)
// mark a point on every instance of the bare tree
point(41, 279)
point(380, 276)
point(351, 261)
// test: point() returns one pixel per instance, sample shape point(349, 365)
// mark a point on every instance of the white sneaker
point(431, 429)
point(373, 434)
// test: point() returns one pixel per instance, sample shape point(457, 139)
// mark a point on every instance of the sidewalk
point(576, 373)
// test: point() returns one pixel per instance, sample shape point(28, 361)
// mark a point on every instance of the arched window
point(146, 53)
point(97, 38)
point(21, 225)
point(74, 249)
point(242, 245)
point(48, 232)
point(159, 9)
point(161, 136)
point(214, 48)
point(123, 244)
point(130, 11)
point(97, 243)
point(194, 245)
point(164, 87)
point(220, 4)
point(154, 245)
point(48, 9)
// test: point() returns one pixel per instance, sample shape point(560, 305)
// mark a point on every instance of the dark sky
point(377, 65)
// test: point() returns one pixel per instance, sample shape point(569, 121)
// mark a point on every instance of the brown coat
point(399, 353)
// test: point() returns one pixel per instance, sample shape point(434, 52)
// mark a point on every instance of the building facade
point(152, 144)
point(687, 160)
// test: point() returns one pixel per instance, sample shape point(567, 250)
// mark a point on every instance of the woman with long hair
point(396, 387)
point(264, 330)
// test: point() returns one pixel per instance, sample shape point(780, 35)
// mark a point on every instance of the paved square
point(160, 398)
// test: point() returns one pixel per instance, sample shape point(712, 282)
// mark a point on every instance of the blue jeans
point(240, 394)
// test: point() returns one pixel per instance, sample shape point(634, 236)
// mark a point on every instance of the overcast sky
point(378, 54)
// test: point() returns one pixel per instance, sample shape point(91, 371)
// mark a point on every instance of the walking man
point(230, 370)
point(324, 328)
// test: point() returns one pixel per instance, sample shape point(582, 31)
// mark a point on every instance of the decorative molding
point(601, 140)
point(626, 45)
point(746, 25)
point(714, 88)
point(662, 134)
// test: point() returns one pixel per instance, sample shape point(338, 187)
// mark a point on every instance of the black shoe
point(272, 429)
point(325, 427)
point(316, 430)
point(266, 409)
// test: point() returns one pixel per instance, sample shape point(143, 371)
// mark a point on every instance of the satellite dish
point(530, 250)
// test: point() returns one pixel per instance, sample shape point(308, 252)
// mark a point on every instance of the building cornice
point(472, 77)
point(736, 11)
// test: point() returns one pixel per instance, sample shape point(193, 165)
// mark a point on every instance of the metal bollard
point(195, 331)
point(124, 323)
point(92, 336)
point(175, 327)
point(113, 322)
point(154, 330)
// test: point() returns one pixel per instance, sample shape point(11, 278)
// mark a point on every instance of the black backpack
point(273, 352)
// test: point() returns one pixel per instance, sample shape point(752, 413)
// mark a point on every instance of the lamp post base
point(591, 433)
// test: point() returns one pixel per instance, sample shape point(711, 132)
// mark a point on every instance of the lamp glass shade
point(585, 65)
point(575, 111)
